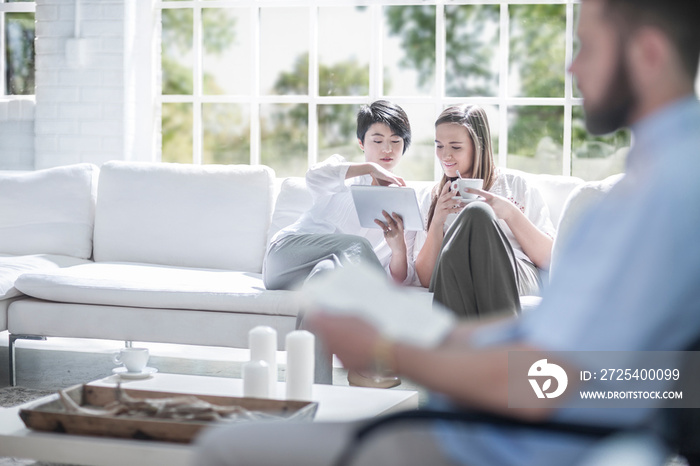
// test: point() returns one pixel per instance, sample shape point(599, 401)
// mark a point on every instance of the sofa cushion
point(162, 287)
point(581, 199)
point(528, 303)
point(555, 190)
point(293, 200)
point(11, 267)
point(48, 211)
point(208, 216)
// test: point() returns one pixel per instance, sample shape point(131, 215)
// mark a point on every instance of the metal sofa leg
point(11, 352)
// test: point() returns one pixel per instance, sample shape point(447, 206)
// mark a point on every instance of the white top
point(517, 190)
point(333, 211)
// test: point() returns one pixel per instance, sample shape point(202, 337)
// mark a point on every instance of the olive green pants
point(476, 273)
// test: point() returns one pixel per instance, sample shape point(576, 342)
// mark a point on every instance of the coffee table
point(335, 403)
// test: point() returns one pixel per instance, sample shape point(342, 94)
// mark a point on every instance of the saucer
point(125, 374)
point(466, 201)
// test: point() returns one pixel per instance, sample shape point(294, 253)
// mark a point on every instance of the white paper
point(369, 294)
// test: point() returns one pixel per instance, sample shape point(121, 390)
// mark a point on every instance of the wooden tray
point(51, 416)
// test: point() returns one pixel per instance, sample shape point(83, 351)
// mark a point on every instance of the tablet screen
point(371, 200)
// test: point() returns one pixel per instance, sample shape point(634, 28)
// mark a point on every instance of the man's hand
point(350, 338)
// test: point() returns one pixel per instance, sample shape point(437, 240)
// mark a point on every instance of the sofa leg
point(11, 352)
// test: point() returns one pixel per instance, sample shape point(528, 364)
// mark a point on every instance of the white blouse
point(517, 190)
point(333, 211)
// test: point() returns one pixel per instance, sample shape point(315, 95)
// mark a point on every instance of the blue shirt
point(629, 280)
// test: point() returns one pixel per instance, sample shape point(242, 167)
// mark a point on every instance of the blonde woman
point(478, 257)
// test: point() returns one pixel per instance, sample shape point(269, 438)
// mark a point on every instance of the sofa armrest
point(581, 199)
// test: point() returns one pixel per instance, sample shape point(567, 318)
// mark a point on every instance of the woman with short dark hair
point(329, 234)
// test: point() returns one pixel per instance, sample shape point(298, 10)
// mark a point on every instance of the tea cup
point(134, 359)
point(460, 186)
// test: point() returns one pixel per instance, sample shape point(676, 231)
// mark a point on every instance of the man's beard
point(616, 105)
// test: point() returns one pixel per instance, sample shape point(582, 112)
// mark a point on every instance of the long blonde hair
point(473, 118)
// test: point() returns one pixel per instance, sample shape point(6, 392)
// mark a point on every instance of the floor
point(62, 362)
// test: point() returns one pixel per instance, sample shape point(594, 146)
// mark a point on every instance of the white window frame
point(21, 7)
point(255, 99)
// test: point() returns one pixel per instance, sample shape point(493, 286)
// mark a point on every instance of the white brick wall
point(79, 109)
point(100, 111)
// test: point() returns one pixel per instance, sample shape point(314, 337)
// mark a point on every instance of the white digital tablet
point(371, 200)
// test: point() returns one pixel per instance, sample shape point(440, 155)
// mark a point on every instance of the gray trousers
point(476, 273)
point(296, 259)
point(316, 444)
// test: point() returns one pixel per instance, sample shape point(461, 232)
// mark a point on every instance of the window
point(17, 46)
point(280, 82)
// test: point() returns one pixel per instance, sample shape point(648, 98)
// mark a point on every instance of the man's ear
point(362, 146)
point(649, 53)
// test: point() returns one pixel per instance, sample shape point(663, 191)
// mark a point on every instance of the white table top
point(336, 403)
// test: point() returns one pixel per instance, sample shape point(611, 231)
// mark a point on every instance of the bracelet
point(383, 356)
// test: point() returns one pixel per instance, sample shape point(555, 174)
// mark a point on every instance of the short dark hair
point(678, 19)
point(383, 111)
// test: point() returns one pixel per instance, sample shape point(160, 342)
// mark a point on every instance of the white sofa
point(153, 252)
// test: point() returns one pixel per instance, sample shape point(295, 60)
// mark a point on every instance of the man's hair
point(678, 19)
point(383, 111)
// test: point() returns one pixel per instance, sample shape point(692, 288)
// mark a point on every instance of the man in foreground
point(627, 281)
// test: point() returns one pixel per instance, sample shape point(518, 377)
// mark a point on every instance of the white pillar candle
point(300, 365)
point(262, 341)
point(256, 379)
